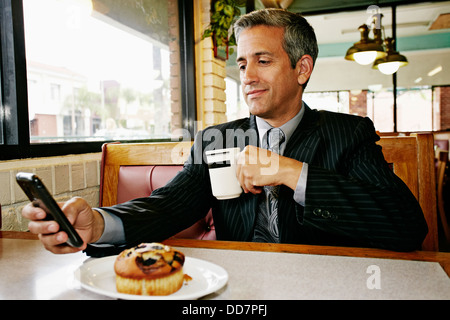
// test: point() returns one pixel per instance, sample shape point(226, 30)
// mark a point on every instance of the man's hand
point(259, 167)
point(87, 222)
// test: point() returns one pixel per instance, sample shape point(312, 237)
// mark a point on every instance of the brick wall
point(64, 177)
point(174, 48)
point(358, 103)
point(442, 99)
point(211, 107)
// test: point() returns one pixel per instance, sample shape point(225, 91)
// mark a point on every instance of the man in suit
point(332, 185)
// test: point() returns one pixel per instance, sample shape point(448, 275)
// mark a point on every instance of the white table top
point(28, 271)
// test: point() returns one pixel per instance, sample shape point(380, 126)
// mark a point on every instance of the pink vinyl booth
point(131, 171)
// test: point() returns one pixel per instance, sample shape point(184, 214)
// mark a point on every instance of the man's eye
point(242, 68)
point(263, 61)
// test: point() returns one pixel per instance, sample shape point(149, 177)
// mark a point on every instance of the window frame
point(14, 120)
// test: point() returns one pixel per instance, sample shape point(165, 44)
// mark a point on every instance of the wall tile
point(18, 194)
point(5, 188)
point(46, 176)
point(62, 179)
point(91, 174)
point(77, 176)
point(9, 219)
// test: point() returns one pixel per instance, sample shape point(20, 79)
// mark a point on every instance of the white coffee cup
point(222, 173)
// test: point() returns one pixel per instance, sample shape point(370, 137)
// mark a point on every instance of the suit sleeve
point(170, 209)
point(361, 198)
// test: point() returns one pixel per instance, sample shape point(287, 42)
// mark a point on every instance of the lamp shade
point(365, 57)
point(392, 61)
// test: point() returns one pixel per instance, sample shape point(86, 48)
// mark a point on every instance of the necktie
point(266, 226)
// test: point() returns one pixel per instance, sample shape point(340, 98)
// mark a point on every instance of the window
point(415, 110)
point(96, 71)
point(236, 106)
point(426, 49)
point(115, 56)
point(336, 101)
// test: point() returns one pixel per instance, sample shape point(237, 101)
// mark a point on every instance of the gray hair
point(299, 36)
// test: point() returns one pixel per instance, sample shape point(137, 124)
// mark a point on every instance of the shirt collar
point(288, 128)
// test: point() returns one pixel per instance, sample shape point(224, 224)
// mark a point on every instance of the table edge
point(443, 258)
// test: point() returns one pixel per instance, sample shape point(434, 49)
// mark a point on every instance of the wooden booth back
point(132, 170)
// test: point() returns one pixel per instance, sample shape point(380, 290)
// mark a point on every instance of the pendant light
point(367, 50)
point(392, 61)
point(381, 53)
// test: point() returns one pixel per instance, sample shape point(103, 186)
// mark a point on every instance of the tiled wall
point(65, 177)
point(210, 71)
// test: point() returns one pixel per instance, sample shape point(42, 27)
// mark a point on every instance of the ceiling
point(336, 27)
point(412, 20)
point(308, 7)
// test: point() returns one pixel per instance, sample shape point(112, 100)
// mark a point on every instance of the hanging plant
point(223, 15)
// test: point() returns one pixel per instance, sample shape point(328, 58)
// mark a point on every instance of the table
point(256, 271)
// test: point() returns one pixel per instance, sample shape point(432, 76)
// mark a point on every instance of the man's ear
point(304, 68)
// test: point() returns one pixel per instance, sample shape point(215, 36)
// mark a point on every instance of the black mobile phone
point(40, 197)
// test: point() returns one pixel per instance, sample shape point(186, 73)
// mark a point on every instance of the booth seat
point(135, 170)
point(131, 171)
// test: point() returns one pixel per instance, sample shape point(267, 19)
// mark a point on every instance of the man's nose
point(249, 75)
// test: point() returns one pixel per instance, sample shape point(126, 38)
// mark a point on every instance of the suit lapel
point(253, 128)
point(304, 141)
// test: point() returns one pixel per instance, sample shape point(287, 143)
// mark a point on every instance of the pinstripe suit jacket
point(352, 196)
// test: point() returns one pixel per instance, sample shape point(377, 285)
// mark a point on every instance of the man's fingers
point(56, 243)
point(43, 227)
point(33, 213)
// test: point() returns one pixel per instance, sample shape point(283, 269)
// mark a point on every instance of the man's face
point(269, 83)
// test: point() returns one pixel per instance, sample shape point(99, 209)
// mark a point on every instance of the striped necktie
point(266, 226)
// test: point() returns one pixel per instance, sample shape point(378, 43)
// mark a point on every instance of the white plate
point(98, 276)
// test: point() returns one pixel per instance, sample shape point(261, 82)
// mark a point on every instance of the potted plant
point(223, 15)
